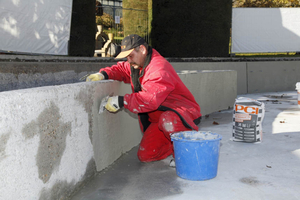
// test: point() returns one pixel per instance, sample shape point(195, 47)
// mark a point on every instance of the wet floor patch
point(128, 178)
point(250, 181)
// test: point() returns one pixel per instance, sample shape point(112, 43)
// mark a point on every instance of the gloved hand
point(95, 77)
point(112, 104)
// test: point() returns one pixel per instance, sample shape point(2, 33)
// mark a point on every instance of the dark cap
point(129, 43)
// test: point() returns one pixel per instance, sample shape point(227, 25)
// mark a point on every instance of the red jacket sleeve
point(119, 72)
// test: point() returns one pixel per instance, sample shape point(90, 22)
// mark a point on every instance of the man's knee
point(168, 121)
point(145, 155)
point(149, 155)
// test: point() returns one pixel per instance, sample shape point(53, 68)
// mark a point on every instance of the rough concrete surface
point(21, 75)
point(266, 170)
point(49, 139)
point(44, 143)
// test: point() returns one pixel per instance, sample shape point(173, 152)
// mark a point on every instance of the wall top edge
point(66, 59)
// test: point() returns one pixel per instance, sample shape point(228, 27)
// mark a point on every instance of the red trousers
point(156, 142)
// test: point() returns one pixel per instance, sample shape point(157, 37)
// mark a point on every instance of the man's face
point(136, 58)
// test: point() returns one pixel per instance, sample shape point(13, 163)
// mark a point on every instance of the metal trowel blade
point(84, 77)
point(102, 104)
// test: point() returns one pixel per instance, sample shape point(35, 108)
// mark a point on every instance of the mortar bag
point(248, 115)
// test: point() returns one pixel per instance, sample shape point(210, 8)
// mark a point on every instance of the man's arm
point(119, 72)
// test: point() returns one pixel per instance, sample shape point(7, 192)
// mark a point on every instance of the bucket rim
point(173, 138)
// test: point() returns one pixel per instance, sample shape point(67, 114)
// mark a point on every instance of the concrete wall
point(272, 76)
point(21, 75)
point(214, 90)
point(52, 139)
point(240, 67)
point(253, 75)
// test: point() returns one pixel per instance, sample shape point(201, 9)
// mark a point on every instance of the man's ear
point(143, 49)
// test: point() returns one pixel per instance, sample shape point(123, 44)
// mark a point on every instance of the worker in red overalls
point(161, 100)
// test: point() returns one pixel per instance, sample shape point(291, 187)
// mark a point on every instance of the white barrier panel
point(265, 30)
point(41, 27)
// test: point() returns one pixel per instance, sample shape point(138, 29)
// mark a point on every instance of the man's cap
point(128, 44)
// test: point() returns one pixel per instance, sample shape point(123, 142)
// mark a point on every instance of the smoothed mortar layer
point(85, 97)
point(52, 133)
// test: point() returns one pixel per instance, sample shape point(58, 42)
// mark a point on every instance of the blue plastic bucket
point(196, 154)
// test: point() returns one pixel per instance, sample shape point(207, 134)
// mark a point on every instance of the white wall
point(265, 30)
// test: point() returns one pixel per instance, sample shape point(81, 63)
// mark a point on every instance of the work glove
point(112, 104)
point(95, 77)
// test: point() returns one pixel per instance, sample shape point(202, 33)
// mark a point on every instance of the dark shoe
point(172, 163)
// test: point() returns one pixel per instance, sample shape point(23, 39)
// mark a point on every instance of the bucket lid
point(195, 136)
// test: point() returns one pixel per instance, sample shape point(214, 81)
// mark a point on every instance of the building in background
point(111, 6)
point(111, 2)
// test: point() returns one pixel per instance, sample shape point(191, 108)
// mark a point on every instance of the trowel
point(84, 77)
point(102, 104)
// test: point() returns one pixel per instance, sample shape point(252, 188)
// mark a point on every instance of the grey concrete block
point(240, 67)
point(214, 90)
point(272, 76)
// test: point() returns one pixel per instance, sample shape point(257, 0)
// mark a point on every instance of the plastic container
point(196, 154)
point(298, 90)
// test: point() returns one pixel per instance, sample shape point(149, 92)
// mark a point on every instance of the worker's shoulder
point(160, 64)
point(156, 57)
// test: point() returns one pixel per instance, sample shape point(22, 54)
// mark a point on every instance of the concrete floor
point(266, 170)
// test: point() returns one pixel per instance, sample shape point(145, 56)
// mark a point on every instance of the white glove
point(95, 77)
point(112, 104)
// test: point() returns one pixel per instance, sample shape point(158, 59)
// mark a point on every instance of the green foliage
point(266, 3)
point(135, 21)
point(109, 25)
point(107, 21)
